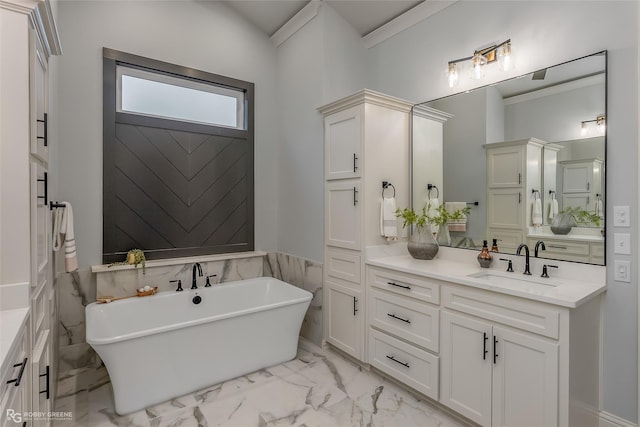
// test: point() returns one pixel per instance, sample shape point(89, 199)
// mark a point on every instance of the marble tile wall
point(304, 274)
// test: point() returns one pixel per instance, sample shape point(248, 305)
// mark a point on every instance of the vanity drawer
point(343, 265)
point(597, 252)
point(414, 321)
point(421, 288)
point(404, 362)
point(511, 311)
point(564, 247)
point(509, 239)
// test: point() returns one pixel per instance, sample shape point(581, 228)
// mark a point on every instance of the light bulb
point(583, 128)
point(504, 57)
point(477, 65)
point(453, 75)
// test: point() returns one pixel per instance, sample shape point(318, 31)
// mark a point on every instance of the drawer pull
point(17, 380)
point(355, 196)
point(355, 158)
point(558, 247)
point(495, 349)
point(355, 308)
point(399, 286)
point(399, 318)
point(405, 364)
point(46, 374)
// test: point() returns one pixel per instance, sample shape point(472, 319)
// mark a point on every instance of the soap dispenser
point(494, 247)
point(484, 257)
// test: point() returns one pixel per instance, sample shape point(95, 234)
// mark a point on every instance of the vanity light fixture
point(600, 122)
point(499, 52)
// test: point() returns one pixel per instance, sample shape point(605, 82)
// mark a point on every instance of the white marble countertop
point(102, 268)
point(11, 323)
point(559, 291)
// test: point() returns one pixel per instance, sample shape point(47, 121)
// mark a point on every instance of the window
point(178, 160)
point(159, 95)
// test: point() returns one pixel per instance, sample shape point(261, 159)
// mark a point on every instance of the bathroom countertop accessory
point(484, 257)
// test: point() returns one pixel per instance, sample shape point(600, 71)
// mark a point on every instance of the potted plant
point(422, 244)
point(443, 219)
point(570, 217)
point(134, 257)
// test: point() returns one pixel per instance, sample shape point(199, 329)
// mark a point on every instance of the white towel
point(598, 207)
point(388, 220)
point(457, 225)
point(553, 208)
point(63, 225)
point(536, 214)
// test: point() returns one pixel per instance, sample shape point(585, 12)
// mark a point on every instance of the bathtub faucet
point(197, 267)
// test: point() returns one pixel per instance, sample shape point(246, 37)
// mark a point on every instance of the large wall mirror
point(526, 155)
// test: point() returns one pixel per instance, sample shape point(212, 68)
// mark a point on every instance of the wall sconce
point(600, 123)
point(499, 52)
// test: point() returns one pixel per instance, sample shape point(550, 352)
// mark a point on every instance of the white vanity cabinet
point(15, 382)
point(508, 361)
point(514, 170)
point(366, 137)
point(404, 327)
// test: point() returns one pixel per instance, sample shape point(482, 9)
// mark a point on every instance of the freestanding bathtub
point(163, 346)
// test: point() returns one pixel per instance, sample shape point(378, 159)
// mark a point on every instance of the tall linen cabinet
point(28, 38)
point(366, 137)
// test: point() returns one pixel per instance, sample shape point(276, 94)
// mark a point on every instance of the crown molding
point(369, 97)
point(431, 113)
point(298, 21)
point(21, 6)
point(407, 20)
point(556, 89)
point(41, 18)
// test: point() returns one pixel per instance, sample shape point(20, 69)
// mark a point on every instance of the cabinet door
point(525, 380)
point(40, 218)
point(576, 178)
point(343, 139)
point(42, 379)
point(578, 200)
point(343, 214)
point(505, 166)
point(505, 208)
point(344, 319)
point(38, 84)
point(466, 362)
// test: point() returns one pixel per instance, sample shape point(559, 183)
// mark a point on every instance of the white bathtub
point(164, 346)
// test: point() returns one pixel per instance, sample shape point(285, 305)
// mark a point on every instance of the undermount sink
point(511, 278)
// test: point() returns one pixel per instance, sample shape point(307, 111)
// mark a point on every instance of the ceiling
point(363, 15)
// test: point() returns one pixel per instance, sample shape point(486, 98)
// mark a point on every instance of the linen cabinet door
point(466, 362)
point(505, 166)
point(344, 320)
point(41, 379)
point(40, 225)
point(525, 380)
point(343, 139)
point(342, 215)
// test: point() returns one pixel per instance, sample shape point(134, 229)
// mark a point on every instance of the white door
point(40, 225)
point(576, 178)
point(342, 213)
point(344, 324)
point(38, 85)
point(343, 139)
point(525, 380)
point(505, 208)
point(42, 378)
point(505, 166)
point(466, 352)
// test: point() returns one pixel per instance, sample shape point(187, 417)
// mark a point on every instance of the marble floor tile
point(318, 388)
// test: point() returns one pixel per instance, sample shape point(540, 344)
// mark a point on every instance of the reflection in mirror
point(530, 151)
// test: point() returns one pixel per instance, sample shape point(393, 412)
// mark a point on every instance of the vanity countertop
point(12, 321)
point(558, 291)
point(570, 237)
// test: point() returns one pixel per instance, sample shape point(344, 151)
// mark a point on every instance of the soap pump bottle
point(484, 257)
point(494, 247)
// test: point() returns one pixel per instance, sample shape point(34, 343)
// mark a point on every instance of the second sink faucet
point(198, 268)
point(526, 253)
point(539, 244)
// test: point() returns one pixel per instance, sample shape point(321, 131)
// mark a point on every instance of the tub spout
point(198, 268)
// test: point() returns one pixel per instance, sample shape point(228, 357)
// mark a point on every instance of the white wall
point(412, 65)
point(322, 62)
point(202, 35)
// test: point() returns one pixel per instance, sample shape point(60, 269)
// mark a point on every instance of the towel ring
point(431, 187)
point(387, 184)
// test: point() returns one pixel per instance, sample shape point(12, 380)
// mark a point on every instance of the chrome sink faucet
point(526, 252)
point(198, 268)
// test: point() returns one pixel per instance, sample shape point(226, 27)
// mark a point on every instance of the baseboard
point(610, 420)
